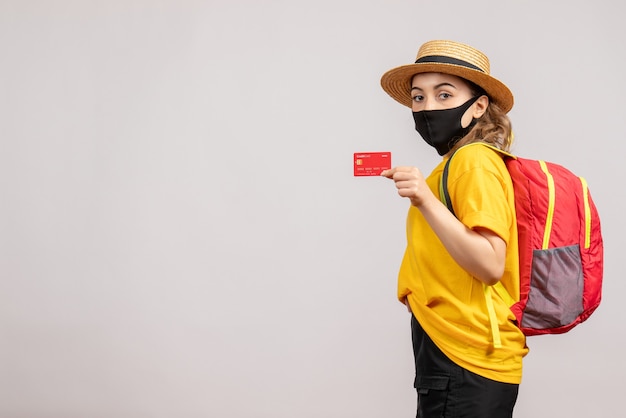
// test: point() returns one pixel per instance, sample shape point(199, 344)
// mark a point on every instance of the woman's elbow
point(493, 259)
point(490, 281)
point(493, 275)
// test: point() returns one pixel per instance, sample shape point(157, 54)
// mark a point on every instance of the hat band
point(440, 59)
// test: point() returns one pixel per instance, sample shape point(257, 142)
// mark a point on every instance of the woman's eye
point(445, 96)
point(418, 98)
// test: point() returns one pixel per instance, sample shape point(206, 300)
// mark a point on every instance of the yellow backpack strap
point(502, 292)
point(493, 319)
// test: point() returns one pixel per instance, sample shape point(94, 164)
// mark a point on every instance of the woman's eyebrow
point(438, 86)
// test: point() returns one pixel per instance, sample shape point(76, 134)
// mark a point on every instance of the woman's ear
point(480, 106)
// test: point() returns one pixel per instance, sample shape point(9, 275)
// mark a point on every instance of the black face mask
point(442, 128)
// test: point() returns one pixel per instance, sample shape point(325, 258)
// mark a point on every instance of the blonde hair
point(493, 127)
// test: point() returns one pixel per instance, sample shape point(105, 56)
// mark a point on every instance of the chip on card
point(371, 163)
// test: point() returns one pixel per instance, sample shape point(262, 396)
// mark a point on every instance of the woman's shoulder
point(479, 155)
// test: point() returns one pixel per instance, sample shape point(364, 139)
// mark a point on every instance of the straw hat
point(447, 57)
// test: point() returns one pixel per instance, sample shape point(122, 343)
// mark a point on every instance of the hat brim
point(397, 82)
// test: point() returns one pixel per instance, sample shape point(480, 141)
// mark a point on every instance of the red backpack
point(560, 247)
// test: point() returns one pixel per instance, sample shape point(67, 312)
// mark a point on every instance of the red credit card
point(371, 163)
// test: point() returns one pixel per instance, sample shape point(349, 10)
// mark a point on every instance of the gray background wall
point(180, 231)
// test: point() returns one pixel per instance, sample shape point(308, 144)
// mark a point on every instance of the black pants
point(445, 389)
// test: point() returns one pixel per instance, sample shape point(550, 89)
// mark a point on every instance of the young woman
point(468, 350)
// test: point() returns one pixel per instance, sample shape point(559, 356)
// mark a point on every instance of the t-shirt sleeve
point(479, 193)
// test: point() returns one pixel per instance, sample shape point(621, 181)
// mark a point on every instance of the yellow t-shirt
point(447, 301)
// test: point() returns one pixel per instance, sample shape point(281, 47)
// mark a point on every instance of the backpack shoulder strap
point(444, 194)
